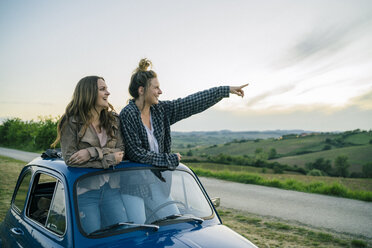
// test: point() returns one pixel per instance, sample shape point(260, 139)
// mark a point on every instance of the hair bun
point(144, 64)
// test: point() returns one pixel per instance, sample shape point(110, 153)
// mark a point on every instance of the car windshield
point(141, 196)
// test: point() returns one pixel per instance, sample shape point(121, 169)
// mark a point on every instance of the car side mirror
point(216, 201)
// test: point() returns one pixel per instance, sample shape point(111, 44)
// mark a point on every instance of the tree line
point(31, 135)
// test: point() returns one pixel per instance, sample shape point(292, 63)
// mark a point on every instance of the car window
point(47, 203)
point(57, 214)
point(191, 194)
point(20, 197)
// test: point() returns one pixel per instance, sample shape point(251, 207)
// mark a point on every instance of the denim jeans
point(101, 208)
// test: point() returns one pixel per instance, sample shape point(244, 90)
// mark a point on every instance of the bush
point(189, 153)
point(327, 147)
point(358, 243)
point(315, 172)
point(277, 169)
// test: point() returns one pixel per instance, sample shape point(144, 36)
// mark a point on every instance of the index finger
point(244, 85)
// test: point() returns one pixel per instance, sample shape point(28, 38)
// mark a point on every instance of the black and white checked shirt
point(164, 114)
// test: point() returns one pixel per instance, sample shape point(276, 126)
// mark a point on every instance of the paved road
point(20, 155)
point(338, 214)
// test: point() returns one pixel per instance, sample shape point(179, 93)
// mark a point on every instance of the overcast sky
point(308, 63)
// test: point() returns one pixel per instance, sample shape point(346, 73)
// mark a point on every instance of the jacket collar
point(82, 130)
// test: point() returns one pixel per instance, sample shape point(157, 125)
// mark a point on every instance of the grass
point(267, 231)
point(327, 188)
point(9, 172)
point(354, 184)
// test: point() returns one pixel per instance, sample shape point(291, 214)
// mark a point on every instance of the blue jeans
point(101, 208)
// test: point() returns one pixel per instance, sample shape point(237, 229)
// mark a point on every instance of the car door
point(45, 212)
point(13, 230)
point(42, 222)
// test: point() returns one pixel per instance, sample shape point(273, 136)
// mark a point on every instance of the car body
point(129, 205)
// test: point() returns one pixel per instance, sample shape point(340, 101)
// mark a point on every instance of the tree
point(189, 153)
point(277, 169)
point(327, 147)
point(342, 165)
point(320, 164)
point(367, 170)
point(272, 153)
point(258, 150)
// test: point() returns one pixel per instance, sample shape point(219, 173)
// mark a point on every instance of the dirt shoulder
point(267, 231)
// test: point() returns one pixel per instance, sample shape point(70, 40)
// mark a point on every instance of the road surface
point(334, 213)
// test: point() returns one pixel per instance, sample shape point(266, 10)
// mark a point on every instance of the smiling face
point(101, 101)
point(153, 92)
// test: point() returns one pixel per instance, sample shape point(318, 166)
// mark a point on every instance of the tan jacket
point(73, 139)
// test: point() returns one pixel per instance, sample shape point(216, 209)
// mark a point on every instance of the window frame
point(30, 193)
point(25, 204)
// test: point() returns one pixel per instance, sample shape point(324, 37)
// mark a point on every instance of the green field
point(358, 155)
point(296, 150)
point(283, 147)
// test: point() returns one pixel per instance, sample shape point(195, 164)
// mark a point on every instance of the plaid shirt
point(163, 114)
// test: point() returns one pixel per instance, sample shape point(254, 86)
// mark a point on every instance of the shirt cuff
point(225, 91)
point(95, 153)
point(174, 162)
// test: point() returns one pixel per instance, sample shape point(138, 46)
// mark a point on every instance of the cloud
point(326, 40)
point(363, 101)
point(274, 92)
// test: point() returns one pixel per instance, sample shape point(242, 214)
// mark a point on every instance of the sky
point(308, 63)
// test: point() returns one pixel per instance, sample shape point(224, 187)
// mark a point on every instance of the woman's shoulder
point(72, 121)
point(130, 110)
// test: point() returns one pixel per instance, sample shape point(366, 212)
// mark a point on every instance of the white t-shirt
point(154, 146)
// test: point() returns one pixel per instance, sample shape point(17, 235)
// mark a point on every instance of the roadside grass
point(354, 184)
point(267, 231)
point(327, 188)
point(9, 172)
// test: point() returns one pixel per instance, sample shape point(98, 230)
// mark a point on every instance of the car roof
point(72, 173)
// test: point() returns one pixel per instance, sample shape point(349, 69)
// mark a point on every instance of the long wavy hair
point(141, 77)
point(83, 102)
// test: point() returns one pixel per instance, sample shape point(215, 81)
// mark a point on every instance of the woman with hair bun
point(146, 121)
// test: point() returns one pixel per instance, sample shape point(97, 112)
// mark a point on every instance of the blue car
point(130, 205)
